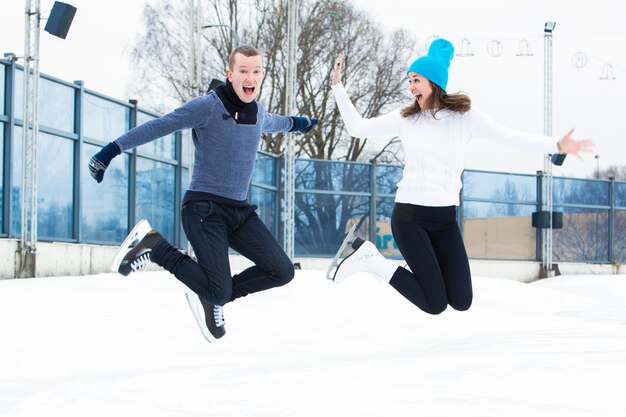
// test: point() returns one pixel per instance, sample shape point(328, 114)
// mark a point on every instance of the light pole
point(30, 128)
point(547, 162)
point(597, 242)
point(196, 56)
point(290, 108)
point(195, 32)
point(195, 43)
point(58, 24)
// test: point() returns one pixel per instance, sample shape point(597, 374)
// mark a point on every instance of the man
point(227, 125)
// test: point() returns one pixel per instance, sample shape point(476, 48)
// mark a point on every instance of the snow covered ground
point(106, 345)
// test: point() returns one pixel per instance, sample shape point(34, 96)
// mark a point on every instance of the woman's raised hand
point(575, 147)
point(337, 73)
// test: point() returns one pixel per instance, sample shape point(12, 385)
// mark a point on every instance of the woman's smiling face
point(420, 88)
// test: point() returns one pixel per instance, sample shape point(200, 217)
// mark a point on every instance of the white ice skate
point(365, 258)
point(135, 236)
point(349, 239)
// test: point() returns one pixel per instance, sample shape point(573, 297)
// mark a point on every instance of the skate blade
point(140, 230)
point(334, 264)
point(198, 314)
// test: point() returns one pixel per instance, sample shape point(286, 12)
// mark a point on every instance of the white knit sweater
point(434, 148)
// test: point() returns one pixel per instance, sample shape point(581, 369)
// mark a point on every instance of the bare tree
point(584, 236)
point(585, 233)
point(373, 67)
point(374, 64)
point(162, 53)
point(617, 172)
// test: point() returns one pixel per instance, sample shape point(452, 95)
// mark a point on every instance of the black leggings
point(430, 241)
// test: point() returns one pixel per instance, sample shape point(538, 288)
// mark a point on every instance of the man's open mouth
point(248, 90)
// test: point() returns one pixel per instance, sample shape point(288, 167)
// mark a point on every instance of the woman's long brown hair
point(440, 100)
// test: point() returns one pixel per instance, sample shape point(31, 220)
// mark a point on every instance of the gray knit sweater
point(225, 151)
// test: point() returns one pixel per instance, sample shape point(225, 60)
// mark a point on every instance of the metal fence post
point(132, 169)
point(78, 159)
point(539, 233)
point(373, 168)
point(611, 218)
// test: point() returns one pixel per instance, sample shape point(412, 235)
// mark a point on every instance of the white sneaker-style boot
point(365, 258)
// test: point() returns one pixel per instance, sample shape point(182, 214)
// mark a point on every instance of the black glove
point(558, 158)
point(302, 124)
point(100, 161)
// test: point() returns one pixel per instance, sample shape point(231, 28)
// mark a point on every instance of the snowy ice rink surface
point(106, 345)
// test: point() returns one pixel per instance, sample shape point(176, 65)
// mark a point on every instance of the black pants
point(430, 241)
point(211, 229)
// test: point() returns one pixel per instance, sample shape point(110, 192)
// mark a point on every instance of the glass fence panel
point(2, 88)
point(104, 119)
point(155, 196)
point(163, 147)
point(184, 243)
point(332, 176)
point(187, 146)
point(16, 183)
point(55, 187)
point(267, 211)
point(322, 220)
point(584, 236)
point(384, 237)
point(619, 237)
point(105, 219)
point(265, 170)
point(56, 105)
point(498, 186)
point(18, 91)
point(499, 231)
point(387, 178)
point(580, 191)
point(2, 145)
point(620, 194)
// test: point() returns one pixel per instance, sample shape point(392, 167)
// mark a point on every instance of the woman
point(435, 130)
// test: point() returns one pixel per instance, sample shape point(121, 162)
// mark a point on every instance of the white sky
point(106, 345)
point(509, 88)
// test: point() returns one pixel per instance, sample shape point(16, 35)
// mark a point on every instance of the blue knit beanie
point(434, 65)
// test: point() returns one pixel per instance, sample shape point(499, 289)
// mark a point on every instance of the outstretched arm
point(190, 114)
point(357, 126)
point(484, 127)
point(274, 123)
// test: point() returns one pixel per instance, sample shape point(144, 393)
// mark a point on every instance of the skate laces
point(218, 314)
point(140, 262)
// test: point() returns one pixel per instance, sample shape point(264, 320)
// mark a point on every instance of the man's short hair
point(245, 50)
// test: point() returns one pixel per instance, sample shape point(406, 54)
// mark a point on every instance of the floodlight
point(60, 19)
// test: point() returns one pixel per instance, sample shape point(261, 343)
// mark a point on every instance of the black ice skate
point(210, 318)
point(134, 253)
